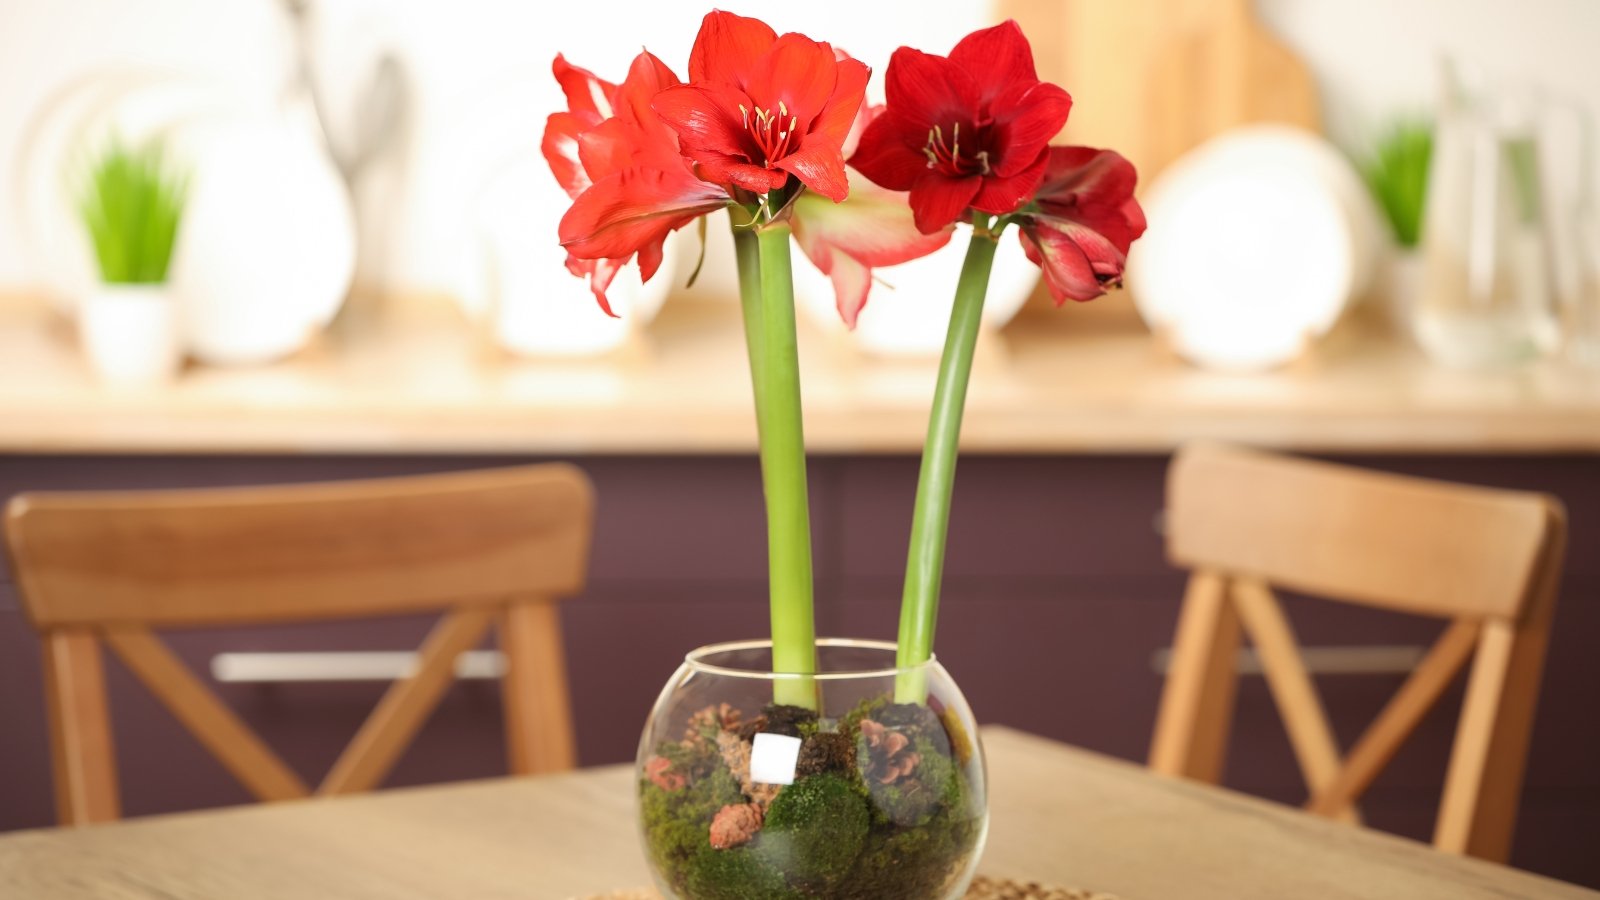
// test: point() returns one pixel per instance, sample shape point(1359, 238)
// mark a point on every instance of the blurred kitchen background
point(1373, 237)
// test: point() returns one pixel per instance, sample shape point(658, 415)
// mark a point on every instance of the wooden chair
point(490, 547)
point(1487, 560)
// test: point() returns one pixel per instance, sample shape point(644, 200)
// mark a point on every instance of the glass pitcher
point(1581, 276)
point(1489, 296)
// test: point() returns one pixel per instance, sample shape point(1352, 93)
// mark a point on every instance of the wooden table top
point(1058, 814)
point(422, 380)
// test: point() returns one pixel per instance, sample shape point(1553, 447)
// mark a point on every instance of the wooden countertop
point(1058, 815)
point(424, 381)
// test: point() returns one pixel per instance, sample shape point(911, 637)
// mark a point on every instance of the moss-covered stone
point(909, 863)
point(815, 830)
point(743, 873)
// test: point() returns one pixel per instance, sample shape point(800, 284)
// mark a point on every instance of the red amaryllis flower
point(1085, 221)
point(968, 131)
point(621, 165)
point(760, 107)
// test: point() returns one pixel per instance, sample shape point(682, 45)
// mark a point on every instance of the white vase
point(130, 333)
point(908, 311)
point(267, 247)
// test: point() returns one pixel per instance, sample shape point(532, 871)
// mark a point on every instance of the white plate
point(1258, 240)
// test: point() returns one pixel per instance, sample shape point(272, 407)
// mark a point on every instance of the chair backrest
point(1487, 560)
point(485, 548)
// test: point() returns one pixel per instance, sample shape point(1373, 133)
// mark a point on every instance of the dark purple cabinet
point(1057, 597)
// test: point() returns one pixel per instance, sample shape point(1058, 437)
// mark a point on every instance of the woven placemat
point(982, 889)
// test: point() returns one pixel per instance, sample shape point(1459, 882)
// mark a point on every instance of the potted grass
point(798, 767)
point(1396, 172)
point(131, 204)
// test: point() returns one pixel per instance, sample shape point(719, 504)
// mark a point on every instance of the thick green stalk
point(930, 520)
point(775, 371)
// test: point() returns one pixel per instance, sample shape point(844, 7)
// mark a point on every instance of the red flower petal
point(1087, 170)
point(600, 272)
point(625, 211)
point(609, 147)
point(927, 88)
point(560, 146)
point(820, 167)
point(706, 117)
point(997, 58)
point(737, 171)
point(1006, 194)
point(833, 124)
point(1066, 269)
point(586, 92)
point(1027, 118)
point(647, 76)
point(852, 282)
point(865, 116)
point(649, 258)
point(888, 153)
point(797, 72)
point(1093, 188)
point(727, 47)
point(936, 201)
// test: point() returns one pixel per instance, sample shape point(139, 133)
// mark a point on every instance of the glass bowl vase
point(755, 785)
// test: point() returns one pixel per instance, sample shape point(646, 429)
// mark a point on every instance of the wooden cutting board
point(1155, 78)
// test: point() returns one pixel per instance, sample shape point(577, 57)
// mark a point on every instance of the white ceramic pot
point(130, 333)
point(267, 247)
point(908, 311)
point(520, 283)
point(1258, 240)
point(1400, 283)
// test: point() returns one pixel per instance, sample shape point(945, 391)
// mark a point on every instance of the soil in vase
point(882, 805)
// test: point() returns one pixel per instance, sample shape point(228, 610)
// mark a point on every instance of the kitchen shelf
point(421, 380)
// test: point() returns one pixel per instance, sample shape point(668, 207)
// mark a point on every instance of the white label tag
point(773, 758)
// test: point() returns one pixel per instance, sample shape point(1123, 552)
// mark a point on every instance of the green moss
point(850, 724)
point(815, 830)
point(695, 759)
point(743, 873)
point(678, 822)
point(909, 863)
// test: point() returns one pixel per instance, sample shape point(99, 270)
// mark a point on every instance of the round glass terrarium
point(755, 785)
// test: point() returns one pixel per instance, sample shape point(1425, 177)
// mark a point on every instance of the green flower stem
point(747, 253)
point(930, 520)
point(775, 375)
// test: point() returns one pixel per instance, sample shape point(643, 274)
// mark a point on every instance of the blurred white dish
point(267, 246)
point(908, 311)
point(521, 284)
point(1258, 240)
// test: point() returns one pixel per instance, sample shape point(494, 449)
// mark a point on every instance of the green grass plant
point(1396, 173)
point(131, 203)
